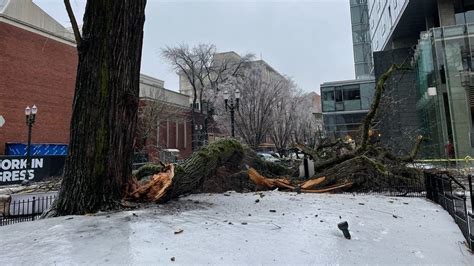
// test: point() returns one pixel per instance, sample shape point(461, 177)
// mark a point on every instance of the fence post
point(33, 209)
point(469, 178)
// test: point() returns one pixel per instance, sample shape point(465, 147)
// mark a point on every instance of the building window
point(339, 99)
point(328, 99)
point(390, 13)
point(338, 94)
point(352, 94)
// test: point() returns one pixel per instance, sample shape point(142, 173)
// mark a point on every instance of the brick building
point(170, 112)
point(38, 63)
point(38, 66)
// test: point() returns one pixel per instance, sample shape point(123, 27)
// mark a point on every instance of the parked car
point(296, 155)
point(268, 157)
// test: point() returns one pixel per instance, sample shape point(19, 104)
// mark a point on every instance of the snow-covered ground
point(235, 229)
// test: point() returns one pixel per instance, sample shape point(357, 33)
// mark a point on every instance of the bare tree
point(307, 128)
point(204, 70)
point(105, 105)
point(285, 118)
point(186, 61)
point(154, 109)
point(261, 89)
point(150, 112)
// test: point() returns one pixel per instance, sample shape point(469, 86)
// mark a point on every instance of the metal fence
point(12, 212)
point(451, 195)
point(393, 186)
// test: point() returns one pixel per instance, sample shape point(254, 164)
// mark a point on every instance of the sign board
point(2, 121)
point(14, 170)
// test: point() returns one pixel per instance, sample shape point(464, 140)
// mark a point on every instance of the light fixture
point(34, 110)
point(432, 91)
point(226, 95)
point(27, 110)
point(237, 94)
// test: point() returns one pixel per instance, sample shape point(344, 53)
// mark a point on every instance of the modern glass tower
point(346, 103)
point(437, 36)
point(361, 38)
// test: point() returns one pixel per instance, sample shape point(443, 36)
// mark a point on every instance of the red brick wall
point(168, 140)
point(168, 135)
point(35, 70)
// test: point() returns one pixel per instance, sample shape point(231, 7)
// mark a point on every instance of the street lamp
point(30, 114)
point(198, 132)
point(232, 103)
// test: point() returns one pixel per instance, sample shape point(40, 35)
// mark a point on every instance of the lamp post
point(198, 132)
point(231, 104)
point(30, 114)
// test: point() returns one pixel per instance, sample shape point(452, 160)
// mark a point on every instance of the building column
point(167, 134)
point(446, 13)
point(177, 134)
point(185, 135)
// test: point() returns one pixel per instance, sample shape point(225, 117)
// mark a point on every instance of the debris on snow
point(344, 227)
point(377, 238)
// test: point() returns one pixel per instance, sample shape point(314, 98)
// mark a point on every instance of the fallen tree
point(370, 166)
point(217, 167)
point(340, 165)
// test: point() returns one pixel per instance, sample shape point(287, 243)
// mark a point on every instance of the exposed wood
point(268, 183)
point(155, 188)
point(329, 189)
point(312, 182)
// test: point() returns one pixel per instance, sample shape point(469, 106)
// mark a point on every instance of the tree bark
point(105, 107)
point(204, 164)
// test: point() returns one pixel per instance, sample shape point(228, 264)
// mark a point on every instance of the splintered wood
point(153, 189)
point(308, 186)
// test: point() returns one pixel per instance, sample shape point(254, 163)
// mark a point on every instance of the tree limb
point(414, 151)
point(72, 18)
point(379, 87)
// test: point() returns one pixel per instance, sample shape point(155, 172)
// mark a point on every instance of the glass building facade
point(345, 104)
point(361, 38)
point(383, 16)
point(445, 89)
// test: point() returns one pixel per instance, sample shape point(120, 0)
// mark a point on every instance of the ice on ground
point(235, 229)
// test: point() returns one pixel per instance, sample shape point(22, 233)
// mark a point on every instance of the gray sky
point(309, 41)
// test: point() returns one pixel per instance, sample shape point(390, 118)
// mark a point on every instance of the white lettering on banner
point(15, 164)
point(37, 163)
point(6, 164)
point(12, 170)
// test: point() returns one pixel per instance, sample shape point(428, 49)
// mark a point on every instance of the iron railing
point(12, 212)
point(451, 195)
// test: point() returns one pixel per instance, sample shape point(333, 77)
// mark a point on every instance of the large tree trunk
point(204, 164)
point(217, 167)
point(105, 107)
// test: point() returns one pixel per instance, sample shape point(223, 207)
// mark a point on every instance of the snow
point(232, 228)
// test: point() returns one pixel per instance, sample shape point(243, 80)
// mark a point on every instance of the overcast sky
point(308, 40)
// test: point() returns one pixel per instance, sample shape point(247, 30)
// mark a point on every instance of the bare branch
point(75, 27)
